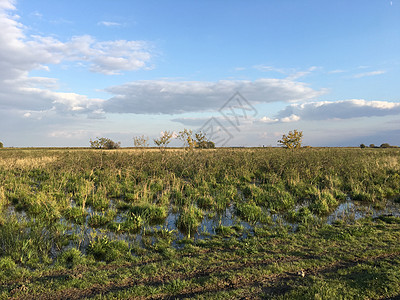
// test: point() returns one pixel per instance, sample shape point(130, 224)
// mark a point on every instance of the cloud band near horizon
point(172, 97)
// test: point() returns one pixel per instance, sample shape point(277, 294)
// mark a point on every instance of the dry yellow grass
point(26, 163)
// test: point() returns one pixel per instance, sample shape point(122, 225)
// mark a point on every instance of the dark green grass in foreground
point(87, 223)
point(359, 261)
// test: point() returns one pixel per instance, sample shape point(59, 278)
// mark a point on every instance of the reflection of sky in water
point(351, 210)
point(347, 211)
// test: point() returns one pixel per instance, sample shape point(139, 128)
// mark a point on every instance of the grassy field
point(224, 223)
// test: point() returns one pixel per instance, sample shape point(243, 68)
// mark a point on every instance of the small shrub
point(203, 142)
point(292, 140)
point(104, 143)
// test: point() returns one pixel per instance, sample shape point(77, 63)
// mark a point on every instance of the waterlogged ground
point(224, 223)
point(255, 223)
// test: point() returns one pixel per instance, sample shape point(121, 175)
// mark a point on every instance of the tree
point(385, 145)
point(362, 146)
point(1, 145)
point(186, 137)
point(141, 141)
point(203, 142)
point(163, 140)
point(292, 140)
point(372, 146)
point(104, 143)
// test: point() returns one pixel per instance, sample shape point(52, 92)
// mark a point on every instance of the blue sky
point(73, 70)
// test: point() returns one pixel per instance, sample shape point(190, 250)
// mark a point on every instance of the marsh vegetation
point(205, 223)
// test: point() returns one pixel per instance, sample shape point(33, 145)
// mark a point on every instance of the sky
point(242, 72)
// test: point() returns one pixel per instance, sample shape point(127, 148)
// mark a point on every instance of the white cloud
point(372, 73)
point(20, 54)
point(292, 74)
point(336, 71)
point(298, 74)
point(7, 4)
point(265, 68)
point(108, 57)
point(173, 97)
point(68, 134)
point(291, 118)
point(268, 120)
point(115, 56)
point(345, 109)
point(109, 24)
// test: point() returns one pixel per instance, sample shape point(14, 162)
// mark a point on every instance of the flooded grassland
point(228, 223)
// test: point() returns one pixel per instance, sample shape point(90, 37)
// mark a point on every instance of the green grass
point(96, 224)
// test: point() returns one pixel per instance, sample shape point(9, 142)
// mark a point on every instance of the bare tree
point(163, 140)
point(141, 141)
point(187, 138)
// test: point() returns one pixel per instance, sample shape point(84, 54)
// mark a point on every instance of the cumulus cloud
point(268, 120)
point(345, 109)
point(174, 97)
point(107, 57)
point(20, 54)
point(291, 118)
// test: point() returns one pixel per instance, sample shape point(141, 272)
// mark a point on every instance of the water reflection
point(348, 211)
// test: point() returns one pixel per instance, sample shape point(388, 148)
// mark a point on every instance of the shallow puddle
point(348, 211)
point(352, 210)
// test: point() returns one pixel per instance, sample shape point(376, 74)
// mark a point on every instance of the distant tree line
point(190, 141)
point(199, 140)
point(384, 145)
